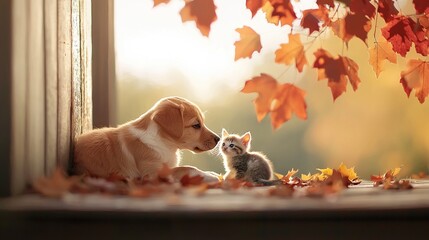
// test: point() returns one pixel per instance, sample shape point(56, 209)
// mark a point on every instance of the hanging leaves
point(378, 54)
point(249, 43)
point(292, 51)
point(280, 100)
point(416, 77)
point(387, 10)
point(353, 25)
point(202, 12)
point(279, 12)
point(157, 2)
point(314, 18)
point(254, 5)
point(337, 70)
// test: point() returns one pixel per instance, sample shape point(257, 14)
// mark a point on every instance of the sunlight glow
point(153, 44)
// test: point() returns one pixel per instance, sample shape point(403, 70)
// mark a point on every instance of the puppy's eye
point(231, 145)
point(196, 126)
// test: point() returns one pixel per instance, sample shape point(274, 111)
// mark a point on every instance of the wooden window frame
point(45, 87)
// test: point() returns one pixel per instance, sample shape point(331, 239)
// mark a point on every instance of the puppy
point(140, 147)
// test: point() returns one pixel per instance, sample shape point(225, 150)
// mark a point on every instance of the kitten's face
point(233, 145)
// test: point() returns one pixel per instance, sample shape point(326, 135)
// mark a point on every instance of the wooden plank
point(19, 95)
point(64, 82)
point(51, 79)
point(5, 97)
point(86, 64)
point(103, 66)
point(35, 120)
point(76, 71)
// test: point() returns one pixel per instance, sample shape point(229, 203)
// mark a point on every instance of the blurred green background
point(374, 129)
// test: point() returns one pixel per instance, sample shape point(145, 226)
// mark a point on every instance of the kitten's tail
point(269, 182)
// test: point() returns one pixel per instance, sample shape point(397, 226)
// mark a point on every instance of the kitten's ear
point(224, 133)
point(246, 138)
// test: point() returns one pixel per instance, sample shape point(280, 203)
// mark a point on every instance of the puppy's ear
point(224, 133)
point(169, 116)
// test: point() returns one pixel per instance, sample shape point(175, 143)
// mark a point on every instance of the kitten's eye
point(231, 145)
point(197, 126)
point(223, 144)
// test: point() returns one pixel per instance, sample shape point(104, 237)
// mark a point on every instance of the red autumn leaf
point(279, 11)
point(379, 53)
point(387, 10)
point(56, 185)
point(400, 32)
point(337, 70)
point(352, 25)
point(416, 77)
point(421, 6)
point(254, 5)
point(280, 100)
point(362, 7)
point(249, 43)
point(203, 12)
point(191, 181)
point(157, 2)
point(281, 191)
point(312, 18)
point(292, 51)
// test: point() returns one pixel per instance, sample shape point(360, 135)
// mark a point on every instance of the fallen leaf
point(329, 3)
point(202, 12)
point(379, 53)
point(416, 77)
point(280, 100)
point(292, 51)
point(56, 185)
point(288, 175)
point(249, 43)
point(281, 191)
point(191, 181)
point(325, 171)
point(337, 70)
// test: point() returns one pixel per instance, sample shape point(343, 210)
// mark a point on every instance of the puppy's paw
point(208, 176)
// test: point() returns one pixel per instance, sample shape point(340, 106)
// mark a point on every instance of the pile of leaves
point(389, 181)
point(394, 33)
point(323, 183)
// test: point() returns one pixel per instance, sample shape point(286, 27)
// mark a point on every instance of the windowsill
point(357, 207)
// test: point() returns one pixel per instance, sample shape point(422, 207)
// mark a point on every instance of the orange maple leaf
point(279, 11)
point(278, 99)
point(203, 12)
point(416, 77)
point(254, 5)
point(249, 43)
point(312, 17)
point(157, 2)
point(337, 70)
point(379, 53)
point(294, 50)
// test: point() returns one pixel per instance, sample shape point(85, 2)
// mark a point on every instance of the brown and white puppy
point(141, 147)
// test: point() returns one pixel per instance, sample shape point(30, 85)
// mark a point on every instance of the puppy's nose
point(217, 139)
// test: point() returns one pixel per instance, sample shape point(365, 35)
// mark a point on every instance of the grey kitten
point(242, 164)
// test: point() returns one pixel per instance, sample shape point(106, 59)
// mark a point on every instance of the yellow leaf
point(396, 171)
point(306, 177)
point(292, 51)
point(278, 175)
point(326, 171)
point(347, 172)
point(379, 53)
point(249, 43)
